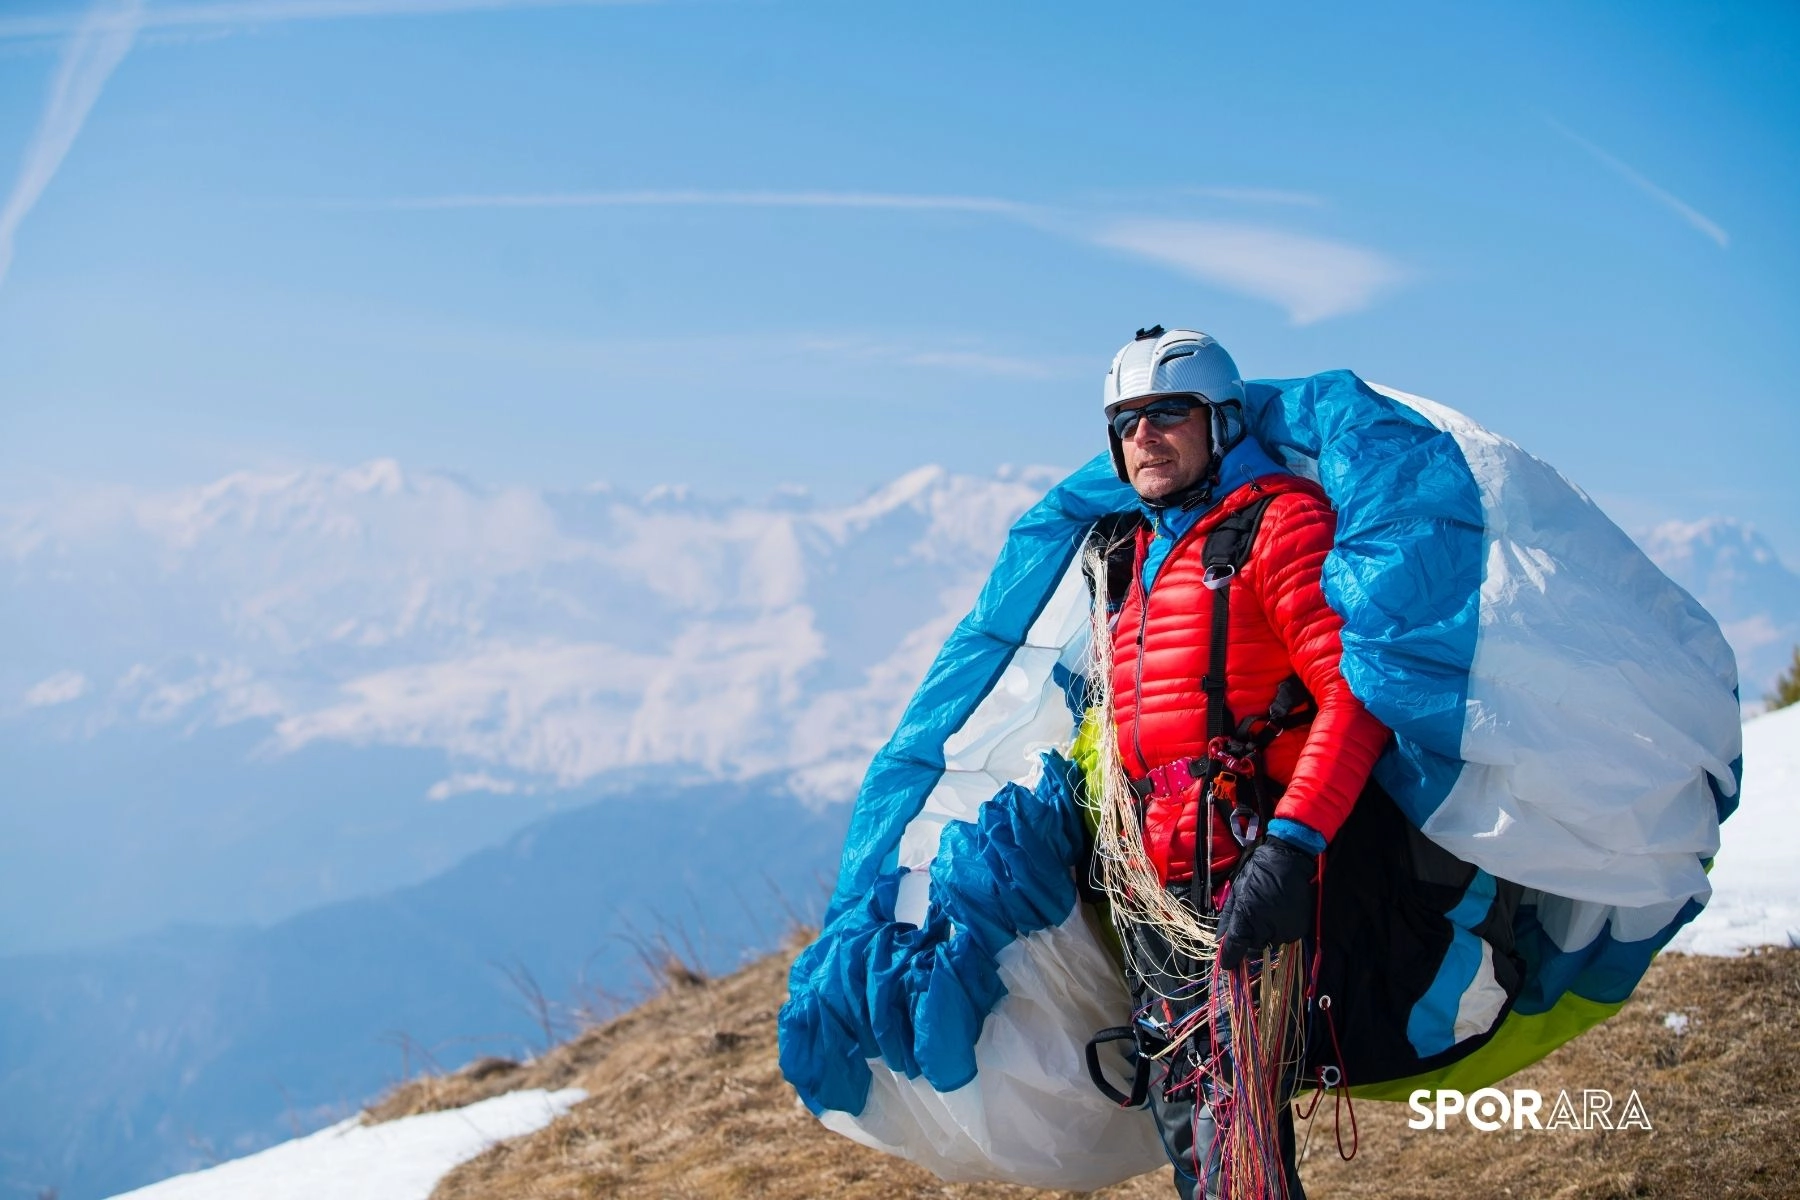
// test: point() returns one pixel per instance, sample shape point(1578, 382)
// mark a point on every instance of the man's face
point(1161, 462)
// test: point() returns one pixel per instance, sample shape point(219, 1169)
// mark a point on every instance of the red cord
point(1311, 1108)
point(1342, 1098)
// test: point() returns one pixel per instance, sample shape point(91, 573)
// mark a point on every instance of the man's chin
point(1155, 491)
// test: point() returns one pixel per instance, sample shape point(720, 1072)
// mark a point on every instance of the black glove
point(1271, 901)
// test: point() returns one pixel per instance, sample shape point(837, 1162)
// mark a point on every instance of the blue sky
point(742, 244)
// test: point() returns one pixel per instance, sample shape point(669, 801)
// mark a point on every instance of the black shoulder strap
point(1227, 550)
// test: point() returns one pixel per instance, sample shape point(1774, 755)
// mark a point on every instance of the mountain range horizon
point(326, 682)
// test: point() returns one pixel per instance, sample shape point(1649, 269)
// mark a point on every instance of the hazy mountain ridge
point(123, 1064)
point(545, 637)
point(548, 637)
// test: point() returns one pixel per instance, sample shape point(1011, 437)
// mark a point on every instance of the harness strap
point(1227, 549)
point(1293, 706)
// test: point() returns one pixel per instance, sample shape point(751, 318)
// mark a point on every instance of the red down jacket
point(1279, 625)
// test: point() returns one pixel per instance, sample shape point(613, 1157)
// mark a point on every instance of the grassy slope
point(686, 1101)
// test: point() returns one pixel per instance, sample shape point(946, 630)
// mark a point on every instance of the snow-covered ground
point(396, 1160)
point(1756, 876)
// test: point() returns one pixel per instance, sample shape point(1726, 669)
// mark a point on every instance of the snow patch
point(395, 1160)
point(475, 781)
point(1756, 876)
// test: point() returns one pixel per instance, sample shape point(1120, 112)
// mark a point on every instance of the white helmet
point(1181, 362)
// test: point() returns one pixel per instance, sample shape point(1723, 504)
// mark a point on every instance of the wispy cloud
point(60, 688)
point(259, 12)
point(1676, 204)
point(1255, 195)
point(726, 199)
point(1311, 277)
point(968, 360)
point(98, 45)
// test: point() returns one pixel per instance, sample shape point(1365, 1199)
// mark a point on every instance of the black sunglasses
point(1166, 413)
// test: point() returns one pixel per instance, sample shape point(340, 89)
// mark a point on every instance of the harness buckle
point(1231, 756)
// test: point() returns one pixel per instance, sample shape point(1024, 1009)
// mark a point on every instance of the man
point(1218, 625)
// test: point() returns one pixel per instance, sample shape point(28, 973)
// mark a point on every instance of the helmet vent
point(1155, 331)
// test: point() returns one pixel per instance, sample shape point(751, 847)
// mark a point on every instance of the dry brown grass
point(685, 1100)
point(567, 1065)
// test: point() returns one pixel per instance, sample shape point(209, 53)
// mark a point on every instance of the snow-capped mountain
point(535, 638)
point(241, 700)
point(549, 637)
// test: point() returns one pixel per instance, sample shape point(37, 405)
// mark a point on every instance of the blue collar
point(1243, 463)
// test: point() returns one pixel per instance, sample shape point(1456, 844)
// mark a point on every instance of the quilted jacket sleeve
point(1343, 741)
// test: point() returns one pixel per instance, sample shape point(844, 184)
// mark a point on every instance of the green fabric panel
point(1085, 754)
point(1519, 1042)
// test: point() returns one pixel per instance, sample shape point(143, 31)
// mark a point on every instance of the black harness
point(1229, 772)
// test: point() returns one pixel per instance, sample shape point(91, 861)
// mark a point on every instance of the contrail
point(1682, 209)
point(99, 44)
point(255, 12)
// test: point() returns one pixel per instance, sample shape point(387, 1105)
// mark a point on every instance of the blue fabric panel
point(1038, 550)
point(1074, 687)
point(1406, 571)
point(917, 997)
point(1606, 970)
point(1417, 778)
point(1431, 1026)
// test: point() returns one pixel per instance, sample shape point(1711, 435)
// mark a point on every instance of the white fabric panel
point(1000, 742)
point(1065, 617)
point(1572, 924)
point(1481, 1001)
point(1027, 1116)
point(1600, 700)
